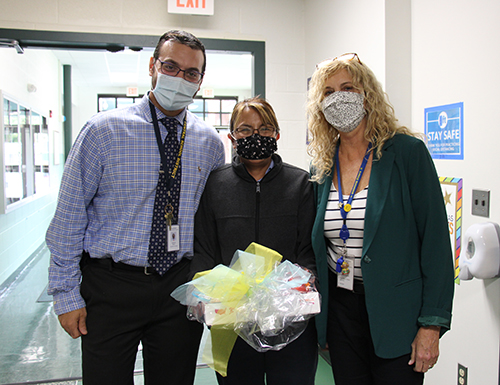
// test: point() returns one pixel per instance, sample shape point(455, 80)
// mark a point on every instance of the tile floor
point(34, 349)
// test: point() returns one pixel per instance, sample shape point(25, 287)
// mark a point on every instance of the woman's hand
point(425, 348)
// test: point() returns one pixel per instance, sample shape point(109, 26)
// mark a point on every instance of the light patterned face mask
point(174, 93)
point(344, 110)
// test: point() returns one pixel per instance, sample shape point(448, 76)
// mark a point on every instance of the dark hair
point(259, 105)
point(184, 38)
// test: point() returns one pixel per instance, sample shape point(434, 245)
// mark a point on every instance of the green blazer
point(407, 260)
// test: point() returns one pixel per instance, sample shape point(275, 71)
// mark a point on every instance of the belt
point(109, 263)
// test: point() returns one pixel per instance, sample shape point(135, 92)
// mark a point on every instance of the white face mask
point(174, 93)
point(344, 110)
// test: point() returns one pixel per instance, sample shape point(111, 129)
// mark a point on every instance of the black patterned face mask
point(256, 146)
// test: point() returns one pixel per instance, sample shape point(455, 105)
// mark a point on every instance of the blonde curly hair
point(381, 120)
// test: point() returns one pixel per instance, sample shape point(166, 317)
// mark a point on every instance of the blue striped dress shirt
point(108, 189)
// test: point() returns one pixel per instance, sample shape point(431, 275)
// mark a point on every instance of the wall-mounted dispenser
point(480, 256)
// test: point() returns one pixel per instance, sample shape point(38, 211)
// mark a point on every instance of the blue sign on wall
point(444, 129)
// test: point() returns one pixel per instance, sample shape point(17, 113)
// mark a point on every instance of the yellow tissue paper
point(230, 301)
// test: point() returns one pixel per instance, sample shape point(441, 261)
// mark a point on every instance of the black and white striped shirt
point(355, 223)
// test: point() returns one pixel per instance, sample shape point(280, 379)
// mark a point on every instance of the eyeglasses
point(344, 57)
point(171, 69)
point(247, 131)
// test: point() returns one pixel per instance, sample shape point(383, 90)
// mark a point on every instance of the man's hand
point(74, 322)
point(425, 348)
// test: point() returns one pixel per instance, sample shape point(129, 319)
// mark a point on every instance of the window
point(109, 102)
point(40, 152)
point(26, 153)
point(215, 111)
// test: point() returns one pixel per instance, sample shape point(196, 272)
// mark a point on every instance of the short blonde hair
point(261, 106)
point(381, 120)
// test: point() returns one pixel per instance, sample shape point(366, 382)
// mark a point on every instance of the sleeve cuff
point(435, 321)
point(68, 301)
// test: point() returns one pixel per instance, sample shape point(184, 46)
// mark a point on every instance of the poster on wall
point(444, 129)
point(452, 195)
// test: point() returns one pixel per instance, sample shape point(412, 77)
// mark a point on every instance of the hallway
point(33, 346)
point(34, 349)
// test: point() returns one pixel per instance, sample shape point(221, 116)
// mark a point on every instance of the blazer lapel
point(378, 189)
point(324, 193)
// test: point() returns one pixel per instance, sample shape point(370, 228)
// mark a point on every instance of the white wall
point(337, 27)
point(377, 30)
point(33, 67)
point(22, 230)
point(455, 58)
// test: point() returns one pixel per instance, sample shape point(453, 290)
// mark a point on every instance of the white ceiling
point(225, 70)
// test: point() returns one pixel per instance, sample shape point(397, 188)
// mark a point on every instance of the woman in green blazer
point(381, 236)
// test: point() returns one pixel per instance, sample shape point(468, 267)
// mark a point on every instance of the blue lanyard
point(161, 147)
point(346, 208)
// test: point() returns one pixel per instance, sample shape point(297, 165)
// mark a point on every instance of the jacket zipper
point(257, 211)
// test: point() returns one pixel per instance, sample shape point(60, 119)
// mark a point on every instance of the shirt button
point(367, 259)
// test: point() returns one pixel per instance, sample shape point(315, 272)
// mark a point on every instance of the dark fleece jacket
point(235, 210)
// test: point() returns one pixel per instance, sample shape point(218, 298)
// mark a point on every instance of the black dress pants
point(127, 307)
point(295, 364)
point(352, 353)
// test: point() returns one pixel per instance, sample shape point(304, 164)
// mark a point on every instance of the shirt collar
point(268, 169)
point(179, 118)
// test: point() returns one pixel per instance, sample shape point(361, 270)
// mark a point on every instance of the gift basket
point(259, 298)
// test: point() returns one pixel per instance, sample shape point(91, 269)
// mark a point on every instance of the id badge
point(345, 278)
point(173, 238)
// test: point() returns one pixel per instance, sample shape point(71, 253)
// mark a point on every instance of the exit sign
point(191, 7)
point(132, 91)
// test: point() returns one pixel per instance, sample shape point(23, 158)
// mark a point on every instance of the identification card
point(345, 278)
point(173, 238)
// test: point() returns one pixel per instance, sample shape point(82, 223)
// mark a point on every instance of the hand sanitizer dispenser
point(480, 256)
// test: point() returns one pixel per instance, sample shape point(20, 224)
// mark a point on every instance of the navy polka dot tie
point(166, 201)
